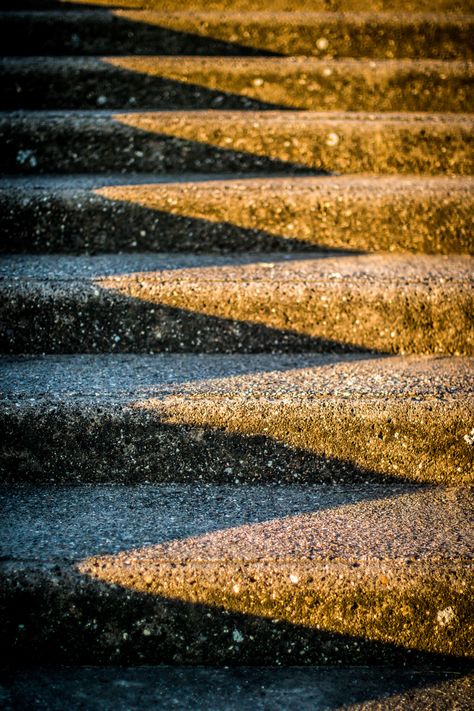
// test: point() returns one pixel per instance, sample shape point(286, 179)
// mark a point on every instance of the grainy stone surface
point(237, 303)
point(242, 141)
point(325, 34)
point(228, 213)
point(235, 689)
point(154, 573)
point(156, 82)
point(236, 418)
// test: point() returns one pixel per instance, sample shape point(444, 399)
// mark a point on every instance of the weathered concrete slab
point(236, 418)
point(237, 574)
point(237, 303)
point(227, 32)
point(226, 213)
point(234, 689)
point(158, 82)
point(241, 141)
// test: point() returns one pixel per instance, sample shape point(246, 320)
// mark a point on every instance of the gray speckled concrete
point(232, 213)
point(237, 303)
point(242, 141)
point(233, 418)
point(150, 572)
point(236, 689)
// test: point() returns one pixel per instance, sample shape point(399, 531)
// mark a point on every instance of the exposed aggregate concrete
point(236, 418)
point(226, 213)
point(156, 82)
point(324, 34)
point(242, 141)
point(237, 303)
point(357, 573)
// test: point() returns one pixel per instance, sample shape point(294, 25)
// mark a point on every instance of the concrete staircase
point(236, 319)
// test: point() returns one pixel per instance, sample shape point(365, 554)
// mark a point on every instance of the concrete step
point(236, 83)
point(237, 303)
point(234, 688)
point(203, 213)
point(237, 575)
point(323, 34)
point(245, 418)
point(241, 141)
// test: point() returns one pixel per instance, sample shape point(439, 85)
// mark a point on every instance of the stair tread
point(124, 378)
point(373, 524)
point(235, 689)
point(245, 268)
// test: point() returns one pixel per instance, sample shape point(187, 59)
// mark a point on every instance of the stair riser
point(239, 310)
point(333, 440)
point(231, 216)
point(157, 84)
point(89, 33)
point(176, 143)
point(60, 613)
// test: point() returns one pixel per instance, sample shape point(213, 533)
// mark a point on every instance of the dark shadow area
point(119, 88)
point(85, 31)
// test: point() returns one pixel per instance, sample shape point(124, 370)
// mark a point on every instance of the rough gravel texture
point(202, 213)
point(237, 303)
point(156, 82)
point(236, 418)
point(241, 141)
point(270, 574)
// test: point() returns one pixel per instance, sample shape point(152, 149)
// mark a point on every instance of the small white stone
point(332, 139)
point(237, 636)
point(294, 579)
point(469, 438)
point(236, 588)
point(101, 100)
point(258, 81)
point(444, 617)
point(322, 43)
